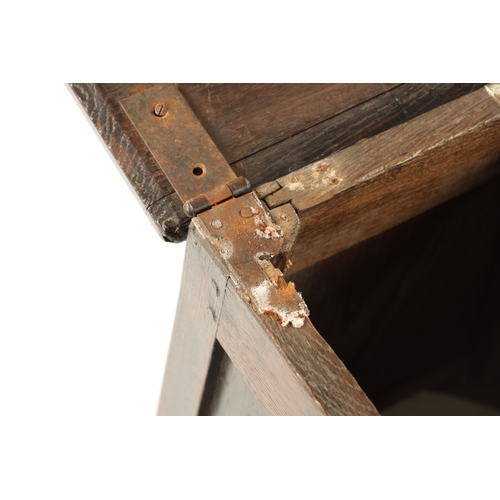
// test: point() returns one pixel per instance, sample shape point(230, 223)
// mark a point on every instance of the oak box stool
point(343, 241)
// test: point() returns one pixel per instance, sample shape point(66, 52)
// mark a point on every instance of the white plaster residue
point(263, 297)
point(223, 245)
point(265, 231)
point(261, 293)
point(268, 233)
point(294, 184)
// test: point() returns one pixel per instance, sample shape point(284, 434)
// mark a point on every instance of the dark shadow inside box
point(414, 312)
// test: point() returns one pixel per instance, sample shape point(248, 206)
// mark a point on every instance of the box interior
point(413, 312)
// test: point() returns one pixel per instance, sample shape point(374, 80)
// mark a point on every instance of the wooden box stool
point(379, 203)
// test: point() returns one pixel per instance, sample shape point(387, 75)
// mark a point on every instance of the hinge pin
point(201, 203)
point(196, 205)
point(239, 186)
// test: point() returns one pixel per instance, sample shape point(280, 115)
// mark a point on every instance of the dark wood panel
point(345, 129)
point(382, 181)
point(245, 118)
point(416, 307)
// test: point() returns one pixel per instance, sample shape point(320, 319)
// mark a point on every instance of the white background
point(88, 289)
point(88, 299)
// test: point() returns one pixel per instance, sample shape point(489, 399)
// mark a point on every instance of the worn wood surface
point(245, 118)
point(190, 352)
point(290, 371)
point(265, 130)
point(367, 119)
point(387, 179)
point(416, 307)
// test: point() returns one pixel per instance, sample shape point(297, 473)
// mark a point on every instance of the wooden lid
point(264, 131)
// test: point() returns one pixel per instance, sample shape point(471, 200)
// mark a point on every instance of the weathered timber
point(287, 219)
point(378, 114)
point(291, 372)
point(190, 352)
point(382, 181)
point(416, 307)
point(245, 118)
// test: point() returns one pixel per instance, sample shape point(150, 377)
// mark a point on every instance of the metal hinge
point(239, 227)
point(232, 189)
point(183, 149)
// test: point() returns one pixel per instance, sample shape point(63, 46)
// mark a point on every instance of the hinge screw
point(161, 110)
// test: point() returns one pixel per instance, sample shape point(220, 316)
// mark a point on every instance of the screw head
point(161, 110)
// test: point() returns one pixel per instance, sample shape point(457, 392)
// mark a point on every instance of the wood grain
point(372, 117)
point(193, 336)
point(387, 179)
point(245, 118)
point(281, 126)
point(290, 371)
point(416, 307)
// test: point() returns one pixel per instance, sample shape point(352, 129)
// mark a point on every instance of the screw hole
point(198, 170)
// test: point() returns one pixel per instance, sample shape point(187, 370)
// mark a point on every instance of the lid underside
point(264, 131)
